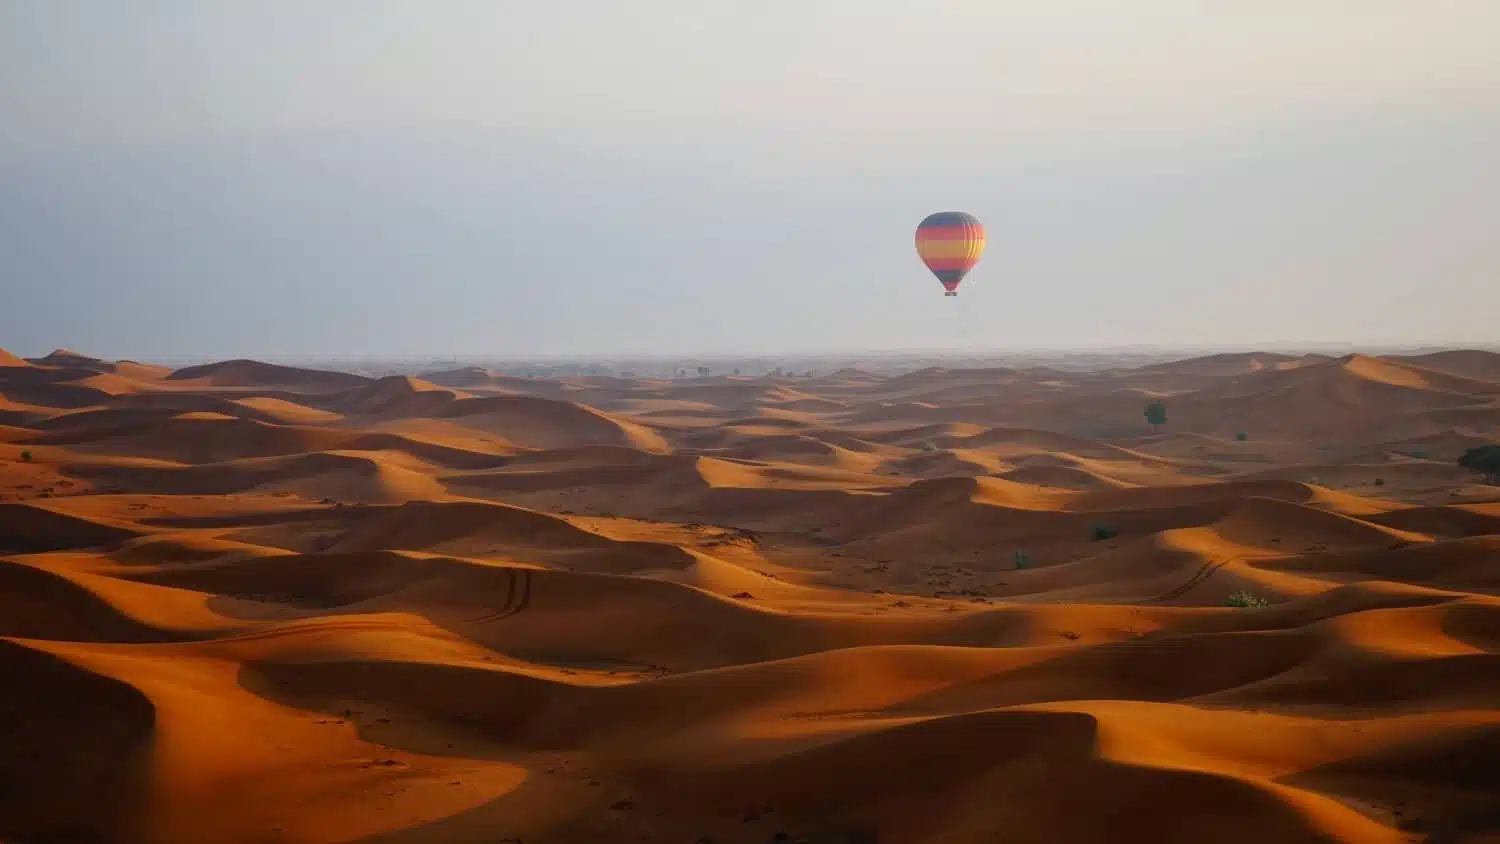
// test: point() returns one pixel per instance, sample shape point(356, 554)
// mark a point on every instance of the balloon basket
point(951, 293)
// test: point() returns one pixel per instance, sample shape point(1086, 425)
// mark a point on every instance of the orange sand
point(251, 603)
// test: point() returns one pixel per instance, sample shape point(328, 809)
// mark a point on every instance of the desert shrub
point(1241, 436)
point(1380, 481)
point(1245, 600)
point(1023, 560)
point(1484, 460)
point(1156, 414)
point(25, 457)
point(929, 446)
point(1419, 455)
point(1103, 531)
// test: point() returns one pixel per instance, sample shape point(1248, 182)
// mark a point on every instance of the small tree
point(1103, 531)
point(25, 457)
point(1485, 460)
point(1242, 436)
point(1023, 560)
point(1156, 414)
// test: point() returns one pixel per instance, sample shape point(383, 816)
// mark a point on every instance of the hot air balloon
point(950, 243)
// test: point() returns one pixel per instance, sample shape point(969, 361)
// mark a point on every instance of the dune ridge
point(9, 360)
point(247, 602)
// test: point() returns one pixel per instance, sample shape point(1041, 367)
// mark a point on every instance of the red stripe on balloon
point(950, 233)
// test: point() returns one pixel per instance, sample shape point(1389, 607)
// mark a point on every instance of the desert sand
point(244, 602)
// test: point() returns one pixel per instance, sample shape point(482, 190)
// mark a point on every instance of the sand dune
point(194, 437)
point(9, 360)
point(1318, 399)
point(149, 406)
point(1063, 477)
point(75, 749)
point(1234, 363)
point(244, 602)
point(51, 389)
point(249, 373)
point(203, 438)
point(343, 476)
point(396, 395)
point(482, 381)
point(36, 527)
point(129, 370)
point(544, 423)
point(1479, 365)
point(68, 358)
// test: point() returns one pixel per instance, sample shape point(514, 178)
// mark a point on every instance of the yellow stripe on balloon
point(940, 249)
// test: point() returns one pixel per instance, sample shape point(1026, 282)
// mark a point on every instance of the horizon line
point(1190, 349)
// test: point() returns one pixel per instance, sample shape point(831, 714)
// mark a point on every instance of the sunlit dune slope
point(9, 360)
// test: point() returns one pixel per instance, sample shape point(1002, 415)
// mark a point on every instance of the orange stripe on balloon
point(949, 247)
point(950, 263)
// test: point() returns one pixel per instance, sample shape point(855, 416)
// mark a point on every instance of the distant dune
point(483, 379)
point(245, 602)
point(249, 373)
point(128, 370)
point(68, 358)
point(1218, 366)
point(396, 395)
point(1478, 365)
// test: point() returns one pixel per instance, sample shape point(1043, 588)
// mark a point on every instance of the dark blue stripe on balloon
point(949, 218)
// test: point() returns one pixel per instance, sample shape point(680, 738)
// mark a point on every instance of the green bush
point(1380, 481)
point(25, 457)
point(1103, 531)
point(1245, 600)
point(1156, 414)
point(1023, 560)
point(1485, 460)
point(1242, 436)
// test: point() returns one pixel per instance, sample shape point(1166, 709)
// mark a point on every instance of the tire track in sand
point(1203, 573)
point(517, 596)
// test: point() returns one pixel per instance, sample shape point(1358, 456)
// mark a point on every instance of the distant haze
point(493, 178)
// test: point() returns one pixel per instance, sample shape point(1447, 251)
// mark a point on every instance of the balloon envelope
point(950, 243)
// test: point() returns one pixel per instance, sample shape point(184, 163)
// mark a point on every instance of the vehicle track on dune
point(517, 596)
point(1204, 572)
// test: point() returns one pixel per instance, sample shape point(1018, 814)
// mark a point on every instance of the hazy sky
point(275, 178)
